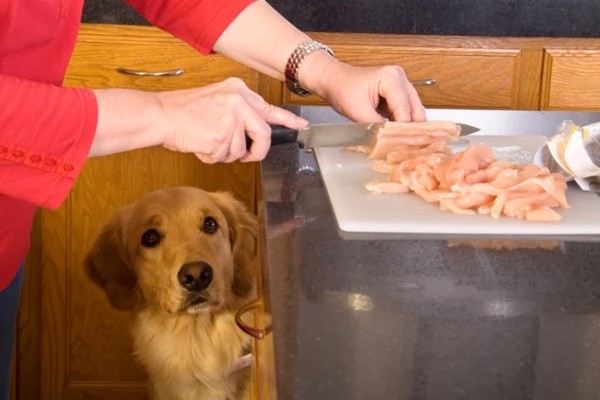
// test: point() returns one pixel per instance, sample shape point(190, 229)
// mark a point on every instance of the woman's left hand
point(363, 94)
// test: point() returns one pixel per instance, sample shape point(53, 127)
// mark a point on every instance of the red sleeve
point(46, 133)
point(197, 22)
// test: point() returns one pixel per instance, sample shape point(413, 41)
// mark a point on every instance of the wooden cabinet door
point(84, 346)
point(572, 78)
point(465, 72)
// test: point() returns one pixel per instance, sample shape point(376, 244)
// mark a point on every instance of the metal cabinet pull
point(256, 333)
point(424, 82)
point(139, 72)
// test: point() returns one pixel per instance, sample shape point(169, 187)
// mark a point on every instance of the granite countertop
point(419, 319)
point(552, 18)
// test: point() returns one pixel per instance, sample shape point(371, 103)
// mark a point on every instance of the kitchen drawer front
point(464, 78)
point(571, 80)
point(97, 58)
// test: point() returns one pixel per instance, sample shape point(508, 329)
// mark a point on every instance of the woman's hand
point(212, 121)
point(363, 94)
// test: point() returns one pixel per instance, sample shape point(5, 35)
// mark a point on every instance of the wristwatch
point(293, 63)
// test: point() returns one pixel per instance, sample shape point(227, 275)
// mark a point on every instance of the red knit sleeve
point(200, 23)
point(46, 133)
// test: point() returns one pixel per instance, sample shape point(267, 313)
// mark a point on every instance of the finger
point(374, 112)
point(219, 154)
point(259, 133)
point(205, 158)
point(271, 113)
point(406, 105)
point(221, 141)
point(399, 106)
point(418, 112)
point(280, 116)
point(383, 109)
point(258, 130)
point(391, 93)
point(237, 148)
point(253, 113)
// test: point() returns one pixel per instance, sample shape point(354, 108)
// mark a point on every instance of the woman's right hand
point(211, 121)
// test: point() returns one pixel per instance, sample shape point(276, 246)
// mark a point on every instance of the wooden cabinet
point(480, 72)
point(469, 72)
point(102, 50)
point(571, 76)
point(72, 344)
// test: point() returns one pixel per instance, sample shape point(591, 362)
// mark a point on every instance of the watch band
point(293, 63)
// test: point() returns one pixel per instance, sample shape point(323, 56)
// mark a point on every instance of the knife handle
point(279, 135)
point(283, 135)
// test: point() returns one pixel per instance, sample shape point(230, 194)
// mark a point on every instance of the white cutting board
point(361, 213)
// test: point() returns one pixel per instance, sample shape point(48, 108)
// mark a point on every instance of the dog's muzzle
point(195, 276)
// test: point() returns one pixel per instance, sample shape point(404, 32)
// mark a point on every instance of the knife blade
point(336, 135)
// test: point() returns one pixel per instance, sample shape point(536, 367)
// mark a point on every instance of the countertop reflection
point(421, 319)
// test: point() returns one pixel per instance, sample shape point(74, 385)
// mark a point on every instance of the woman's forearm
point(263, 40)
point(127, 120)
point(212, 121)
point(260, 38)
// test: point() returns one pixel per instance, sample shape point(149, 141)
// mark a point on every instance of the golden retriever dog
point(181, 260)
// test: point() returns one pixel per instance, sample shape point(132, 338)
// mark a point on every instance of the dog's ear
point(107, 266)
point(243, 234)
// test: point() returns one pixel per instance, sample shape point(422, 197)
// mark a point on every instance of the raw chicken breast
point(416, 158)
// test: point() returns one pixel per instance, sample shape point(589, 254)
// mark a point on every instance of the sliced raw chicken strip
point(416, 158)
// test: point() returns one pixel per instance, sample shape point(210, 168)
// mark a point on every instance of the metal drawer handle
point(424, 82)
point(256, 333)
point(139, 72)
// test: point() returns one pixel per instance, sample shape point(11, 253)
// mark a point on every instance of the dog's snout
point(195, 276)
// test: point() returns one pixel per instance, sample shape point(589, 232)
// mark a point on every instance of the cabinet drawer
point(85, 345)
point(571, 80)
point(473, 78)
point(101, 50)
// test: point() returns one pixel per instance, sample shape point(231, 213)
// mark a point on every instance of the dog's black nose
point(195, 276)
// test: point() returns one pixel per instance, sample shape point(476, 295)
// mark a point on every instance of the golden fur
point(181, 260)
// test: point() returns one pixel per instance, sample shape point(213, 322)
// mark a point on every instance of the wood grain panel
point(263, 366)
point(27, 350)
point(571, 80)
point(106, 391)
point(470, 72)
point(54, 344)
point(529, 79)
point(84, 345)
point(464, 78)
point(100, 50)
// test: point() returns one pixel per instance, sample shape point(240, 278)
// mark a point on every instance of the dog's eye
point(210, 225)
point(151, 238)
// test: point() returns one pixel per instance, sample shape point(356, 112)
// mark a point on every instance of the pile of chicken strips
point(416, 158)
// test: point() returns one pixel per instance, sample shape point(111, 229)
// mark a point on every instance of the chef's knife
point(336, 135)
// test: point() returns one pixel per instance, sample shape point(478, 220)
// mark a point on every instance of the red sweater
point(46, 130)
